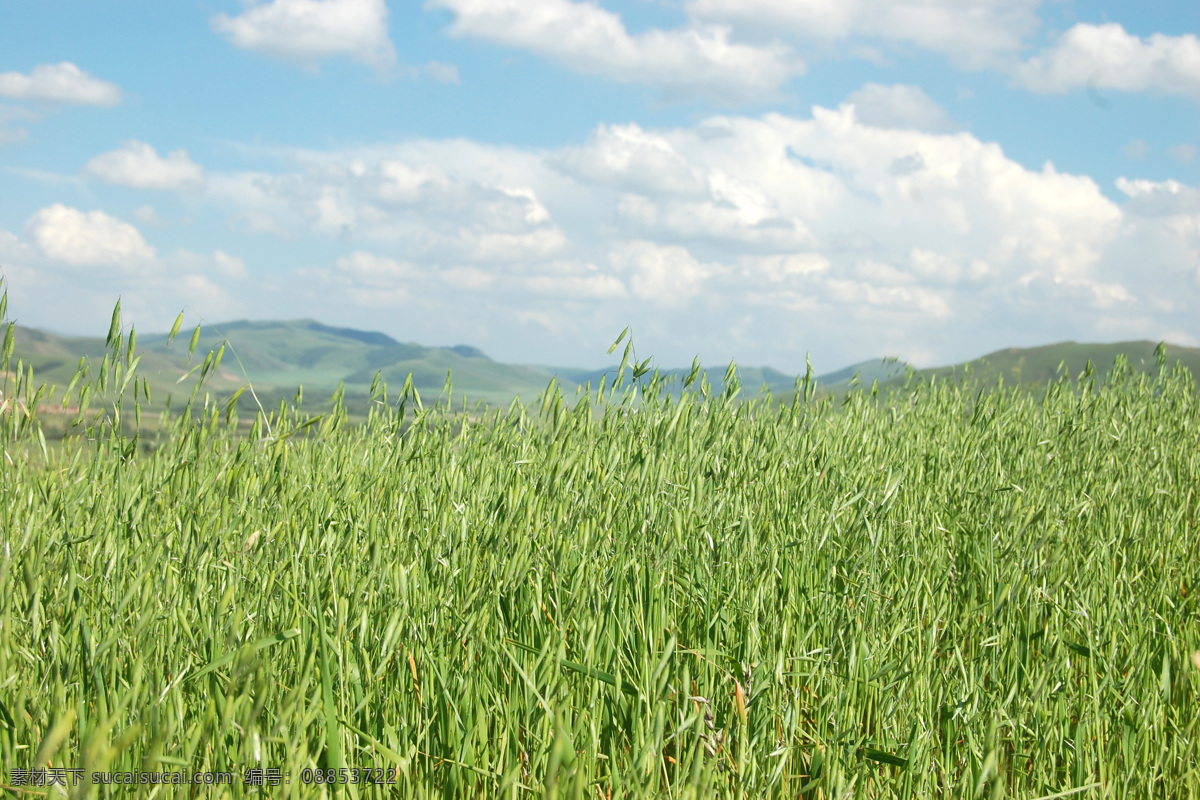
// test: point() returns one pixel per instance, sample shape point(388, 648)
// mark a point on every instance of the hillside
point(1038, 366)
point(1030, 367)
point(278, 357)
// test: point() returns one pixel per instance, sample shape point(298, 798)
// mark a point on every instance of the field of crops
point(941, 593)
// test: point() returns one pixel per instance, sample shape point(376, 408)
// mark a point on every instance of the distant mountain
point(1030, 367)
point(1038, 366)
point(278, 357)
point(867, 372)
point(366, 337)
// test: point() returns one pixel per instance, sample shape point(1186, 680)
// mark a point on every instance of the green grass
point(953, 593)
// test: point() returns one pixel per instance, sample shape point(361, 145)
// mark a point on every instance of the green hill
point(866, 372)
point(1036, 367)
point(1031, 367)
point(278, 357)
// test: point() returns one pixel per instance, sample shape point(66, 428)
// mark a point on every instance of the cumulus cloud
point(697, 60)
point(1183, 153)
point(216, 263)
point(574, 281)
point(900, 106)
point(1159, 198)
point(71, 266)
point(434, 207)
point(90, 238)
point(974, 33)
point(8, 114)
point(783, 267)
point(305, 31)
point(148, 216)
point(376, 271)
point(14, 250)
point(632, 159)
point(899, 230)
point(832, 184)
point(59, 83)
point(816, 227)
point(1136, 149)
point(229, 266)
point(440, 71)
point(1108, 57)
point(12, 135)
point(373, 280)
point(666, 276)
point(138, 165)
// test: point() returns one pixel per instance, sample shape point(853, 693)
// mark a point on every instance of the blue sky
point(749, 179)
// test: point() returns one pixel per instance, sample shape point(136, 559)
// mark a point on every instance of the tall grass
point(948, 592)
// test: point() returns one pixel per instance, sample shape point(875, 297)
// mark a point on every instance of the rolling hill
point(278, 357)
point(1038, 366)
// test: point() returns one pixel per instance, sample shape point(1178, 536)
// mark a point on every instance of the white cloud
point(306, 31)
point(1183, 153)
point(13, 250)
point(13, 135)
point(1181, 338)
point(783, 267)
point(229, 266)
point(903, 230)
point(698, 60)
point(440, 71)
point(138, 165)
point(630, 158)
point(59, 83)
point(433, 205)
point(1108, 57)
point(1159, 198)
point(8, 114)
point(71, 267)
point(575, 281)
point(873, 293)
point(471, 279)
point(665, 276)
point(1165, 219)
point(91, 238)
point(737, 212)
point(1136, 150)
point(148, 216)
point(375, 271)
point(200, 291)
point(537, 244)
point(900, 106)
point(376, 281)
point(972, 32)
point(831, 183)
point(818, 228)
point(218, 262)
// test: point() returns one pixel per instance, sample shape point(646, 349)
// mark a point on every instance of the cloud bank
point(696, 60)
point(866, 237)
point(138, 165)
point(306, 31)
point(59, 83)
point(1108, 57)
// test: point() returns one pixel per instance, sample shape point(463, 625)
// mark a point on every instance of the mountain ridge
point(279, 356)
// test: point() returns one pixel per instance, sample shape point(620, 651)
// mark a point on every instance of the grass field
point(947, 592)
